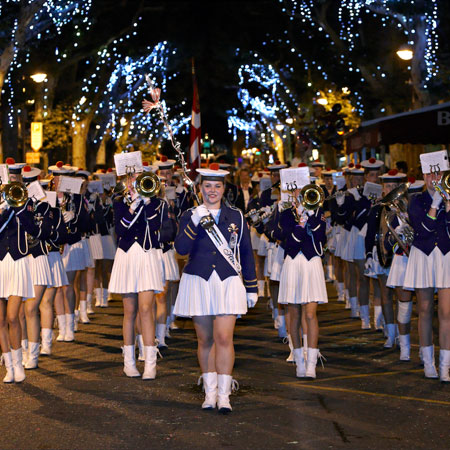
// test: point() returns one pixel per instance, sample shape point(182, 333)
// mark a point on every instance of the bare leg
point(130, 309)
point(69, 294)
point(146, 305)
point(294, 324)
point(205, 343)
point(223, 341)
point(12, 313)
point(4, 336)
point(161, 307)
point(352, 280)
point(46, 308)
point(444, 318)
point(59, 301)
point(313, 324)
point(386, 300)
point(23, 322)
point(363, 283)
point(425, 304)
point(32, 313)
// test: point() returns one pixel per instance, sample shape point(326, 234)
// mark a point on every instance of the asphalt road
point(364, 398)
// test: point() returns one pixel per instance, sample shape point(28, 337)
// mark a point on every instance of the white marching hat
point(213, 173)
point(372, 164)
point(30, 174)
point(393, 176)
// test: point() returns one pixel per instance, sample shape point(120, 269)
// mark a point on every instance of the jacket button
point(213, 253)
point(135, 238)
point(213, 266)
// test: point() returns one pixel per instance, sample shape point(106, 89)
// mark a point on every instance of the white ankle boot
point(429, 366)
point(46, 339)
point(261, 288)
point(7, 359)
point(225, 384)
point(33, 355)
point(161, 335)
point(129, 361)
point(340, 292)
point(290, 358)
point(276, 323)
point(24, 345)
point(365, 317)
point(405, 347)
point(378, 317)
point(282, 332)
point(70, 328)
point(140, 343)
point(305, 346)
point(210, 389)
point(76, 319)
point(89, 308)
point(347, 299)
point(444, 365)
point(391, 331)
point(104, 298)
point(299, 359)
point(83, 312)
point(98, 296)
point(150, 353)
point(311, 362)
point(62, 327)
point(354, 314)
point(19, 372)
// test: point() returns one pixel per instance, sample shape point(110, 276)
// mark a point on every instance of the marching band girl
point(211, 290)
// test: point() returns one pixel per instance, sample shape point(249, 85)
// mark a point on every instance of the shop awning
point(429, 125)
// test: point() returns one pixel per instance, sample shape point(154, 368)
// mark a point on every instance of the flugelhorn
point(15, 194)
point(147, 184)
point(312, 197)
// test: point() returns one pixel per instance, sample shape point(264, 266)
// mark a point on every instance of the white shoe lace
point(234, 385)
point(321, 358)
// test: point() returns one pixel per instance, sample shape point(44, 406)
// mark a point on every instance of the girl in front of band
point(302, 281)
point(211, 290)
point(429, 269)
point(137, 272)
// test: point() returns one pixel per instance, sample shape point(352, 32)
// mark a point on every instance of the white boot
point(329, 273)
point(129, 361)
point(161, 335)
point(290, 358)
point(24, 345)
point(150, 353)
point(19, 373)
point(89, 308)
point(225, 384)
point(33, 355)
point(210, 389)
point(7, 359)
point(365, 317)
point(167, 335)
point(354, 307)
point(300, 363)
point(444, 365)
point(340, 292)
point(140, 342)
point(83, 312)
point(347, 299)
point(62, 327)
point(378, 317)
point(46, 339)
point(311, 362)
point(104, 298)
point(282, 332)
point(98, 296)
point(391, 335)
point(70, 328)
point(76, 319)
point(305, 346)
point(405, 347)
point(275, 318)
point(429, 366)
point(261, 288)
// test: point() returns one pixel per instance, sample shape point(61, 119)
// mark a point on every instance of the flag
point(194, 147)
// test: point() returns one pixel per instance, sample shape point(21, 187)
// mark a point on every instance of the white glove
point(199, 212)
point(340, 198)
point(68, 216)
point(437, 200)
point(369, 265)
point(3, 206)
point(252, 299)
point(135, 203)
point(355, 193)
point(108, 201)
point(147, 200)
point(179, 189)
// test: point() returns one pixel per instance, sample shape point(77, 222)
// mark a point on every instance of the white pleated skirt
point(57, 271)
point(213, 297)
point(88, 259)
point(348, 251)
point(15, 278)
point(170, 266)
point(277, 263)
point(136, 271)
point(341, 240)
point(359, 251)
point(397, 273)
point(109, 247)
point(302, 281)
point(332, 239)
point(254, 236)
point(95, 246)
point(40, 270)
point(263, 245)
point(430, 271)
point(74, 256)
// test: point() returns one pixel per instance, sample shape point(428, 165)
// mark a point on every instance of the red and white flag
point(196, 133)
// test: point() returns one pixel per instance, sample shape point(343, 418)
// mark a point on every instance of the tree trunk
point(79, 142)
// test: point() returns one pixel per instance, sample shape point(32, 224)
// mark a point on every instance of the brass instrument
point(312, 197)
point(256, 216)
point(443, 185)
point(147, 184)
point(15, 194)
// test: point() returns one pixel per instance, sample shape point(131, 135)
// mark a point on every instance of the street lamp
point(39, 77)
point(405, 52)
point(322, 101)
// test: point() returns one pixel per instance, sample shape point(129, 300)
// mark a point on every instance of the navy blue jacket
point(60, 233)
point(204, 257)
point(309, 239)
point(81, 222)
point(429, 232)
point(141, 226)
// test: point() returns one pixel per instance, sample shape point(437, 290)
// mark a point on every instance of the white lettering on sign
point(443, 118)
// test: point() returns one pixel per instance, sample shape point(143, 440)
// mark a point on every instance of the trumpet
point(15, 194)
point(147, 184)
point(312, 197)
point(443, 185)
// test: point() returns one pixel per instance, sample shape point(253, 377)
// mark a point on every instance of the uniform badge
point(233, 229)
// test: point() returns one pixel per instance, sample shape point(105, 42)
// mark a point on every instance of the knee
point(310, 316)
point(205, 341)
point(223, 339)
point(13, 320)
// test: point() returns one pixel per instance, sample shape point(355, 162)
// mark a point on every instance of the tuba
point(147, 184)
point(15, 194)
point(312, 197)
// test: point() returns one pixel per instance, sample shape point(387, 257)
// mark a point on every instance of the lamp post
point(405, 52)
point(37, 126)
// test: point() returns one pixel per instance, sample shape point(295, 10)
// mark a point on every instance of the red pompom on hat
point(393, 172)
point(351, 165)
point(214, 166)
point(145, 163)
point(302, 165)
point(10, 161)
point(260, 174)
point(358, 166)
point(109, 170)
point(103, 170)
point(328, 169)
point(59, 164)
point(277, 162)
point(412, 180)
point(372, 160)
point(163, 158)
point(27, 169)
